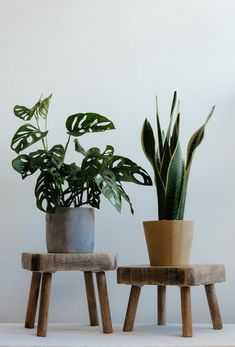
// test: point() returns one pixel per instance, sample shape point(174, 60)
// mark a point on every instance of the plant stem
point(43, 142)
point(66, 146)
point(46, 135)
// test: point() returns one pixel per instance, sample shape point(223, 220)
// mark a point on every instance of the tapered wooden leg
point(44, 304)
point(132, 308)
point(91, 300)
point(33, 300)
point(187, 330)
point(214, 307)
point(161, 304)
point(104, 302)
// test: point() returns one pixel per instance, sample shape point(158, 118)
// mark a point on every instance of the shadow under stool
point(183, 276)
point(43, 265)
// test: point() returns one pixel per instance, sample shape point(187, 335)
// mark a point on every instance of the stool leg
point(33, 300)
point(91, 300)
point(161, 304)
point(44, 304)
point(104, 302)
point(186, 312)
point(132, 308)
point(214, 307)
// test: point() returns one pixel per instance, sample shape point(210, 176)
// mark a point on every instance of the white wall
point(113, 57)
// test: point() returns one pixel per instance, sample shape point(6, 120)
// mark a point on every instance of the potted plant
point(169, 239)
point(62, 189)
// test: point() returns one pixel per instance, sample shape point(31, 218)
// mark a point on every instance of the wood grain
point(104, 302)
point(33, 300)
point(44, 304)
point(161, 305)
point(91, 299)
point(186, 311)
point(213, 307)
point(190, 275)
point(51, 262)
point(132, 308)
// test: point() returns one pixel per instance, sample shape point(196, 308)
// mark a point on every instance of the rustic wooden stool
point(44, 264)
point(182, 276)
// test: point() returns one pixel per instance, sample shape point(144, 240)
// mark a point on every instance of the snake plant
point(171, 171)
point(69, 184)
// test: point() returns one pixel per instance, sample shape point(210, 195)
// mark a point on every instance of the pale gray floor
point(14, 335)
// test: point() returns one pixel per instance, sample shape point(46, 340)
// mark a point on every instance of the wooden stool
point(182, 276)
point(44, 264)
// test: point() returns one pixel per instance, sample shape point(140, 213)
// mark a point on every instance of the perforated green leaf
point(24, 165)
point(43, 107)
point(82, 123)
point(91, 164)
point(40, 109)
point(128, 171)
point(47, 192)
point(26, 136)
point(57, 154)
point(125, 196)
point(23, 112)
point(109, 188)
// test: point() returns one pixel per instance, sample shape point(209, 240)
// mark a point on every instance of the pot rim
point(72, 207)
point(170, 221)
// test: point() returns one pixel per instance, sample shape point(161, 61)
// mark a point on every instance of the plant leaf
point(128, 171)
point(39, 158)
point(26, 136)
point(39, 109)
point(91, 164)
point(181, 207)
point(173, 103)
point(165, 162)
point(95, 162)
point(125, 196)
point(171, 117)
point(194, 142)
point(23, 112)
point(175, 134)
point(109, 188)
point(43, 107)
point(82, 123)
point(174, 183)
point(93, 194)
point(57, 154)
point(196, 139)
point(161, 192)
point(160, 133)
point(24, 165)
point(79, 148)
point(47, 192)
point(148, 142)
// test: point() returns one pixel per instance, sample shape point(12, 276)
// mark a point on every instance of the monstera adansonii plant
point(171, 171)
point(63, 184)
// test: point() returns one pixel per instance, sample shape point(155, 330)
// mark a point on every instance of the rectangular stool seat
point(51, 262)
point(188, 275)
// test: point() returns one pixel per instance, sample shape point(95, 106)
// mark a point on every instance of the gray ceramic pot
point(70, 230)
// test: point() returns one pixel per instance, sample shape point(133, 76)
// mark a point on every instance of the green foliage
point(62, 184)
point(170, 170)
